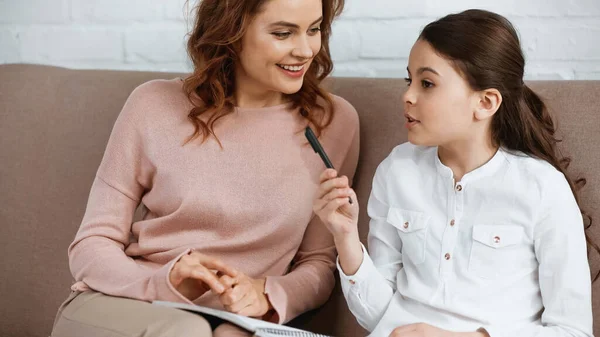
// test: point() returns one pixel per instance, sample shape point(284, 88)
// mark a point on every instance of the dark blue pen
point(314, 142)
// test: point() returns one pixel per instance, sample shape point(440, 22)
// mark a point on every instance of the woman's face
point(279, 46)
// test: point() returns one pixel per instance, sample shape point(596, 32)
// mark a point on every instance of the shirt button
point(447, 256)
point(406, 224)
point(452, 222)
point(352, 282)
point(459, 188)
point(496, 239)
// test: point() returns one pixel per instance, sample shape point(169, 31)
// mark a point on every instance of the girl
point(475, 229)
point(220, 163)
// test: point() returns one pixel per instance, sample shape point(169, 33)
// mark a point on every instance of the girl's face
point(439, 104)
point(279, 45)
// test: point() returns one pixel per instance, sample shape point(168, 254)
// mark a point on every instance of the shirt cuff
point(278, 299)
point(366, 270)
point(491, 332)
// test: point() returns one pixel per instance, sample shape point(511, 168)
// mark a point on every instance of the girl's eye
point(408, 81)
point(426, 84)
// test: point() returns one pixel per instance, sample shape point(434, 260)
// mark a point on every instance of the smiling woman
point(261, 48)
point(227, 179)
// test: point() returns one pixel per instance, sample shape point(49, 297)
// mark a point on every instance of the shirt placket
point(450, 236)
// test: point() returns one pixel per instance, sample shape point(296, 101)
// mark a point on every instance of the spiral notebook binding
point(267, 332)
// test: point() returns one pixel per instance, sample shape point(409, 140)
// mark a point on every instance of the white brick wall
point(561, 38)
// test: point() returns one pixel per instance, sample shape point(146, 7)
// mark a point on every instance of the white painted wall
point(561, 38)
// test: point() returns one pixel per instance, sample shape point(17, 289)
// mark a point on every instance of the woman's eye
point(408, 81)
point(281, 35)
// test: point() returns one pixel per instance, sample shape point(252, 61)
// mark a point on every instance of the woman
point(475, 228)
point(226, 178)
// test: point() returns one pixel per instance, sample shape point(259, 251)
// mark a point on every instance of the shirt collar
point(485, 170)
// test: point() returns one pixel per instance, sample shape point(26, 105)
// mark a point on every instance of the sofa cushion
point(54, 125)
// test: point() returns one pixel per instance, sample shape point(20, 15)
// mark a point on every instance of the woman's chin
point(290, 89)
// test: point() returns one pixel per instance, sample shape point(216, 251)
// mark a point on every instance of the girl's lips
point(410, 118)
point(409, 125)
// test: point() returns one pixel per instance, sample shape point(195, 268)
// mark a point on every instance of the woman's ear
point(488, 101)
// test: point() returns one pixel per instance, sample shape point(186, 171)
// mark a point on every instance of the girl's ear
point(487, 102)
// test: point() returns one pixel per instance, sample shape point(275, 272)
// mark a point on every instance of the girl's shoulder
point(407, 157)
point(412, 153)
point(535, 168)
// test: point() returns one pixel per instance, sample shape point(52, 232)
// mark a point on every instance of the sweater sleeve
point(96, 256)
point(311, 279)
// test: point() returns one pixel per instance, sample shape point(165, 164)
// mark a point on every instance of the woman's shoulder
point(152, 99)
point(344, 112)
point(158, 89)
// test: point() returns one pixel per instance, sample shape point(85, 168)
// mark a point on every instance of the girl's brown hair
point(485, 48)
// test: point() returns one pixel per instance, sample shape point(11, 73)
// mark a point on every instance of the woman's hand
point(245, 296)
point(196, 273)
point(333, 207)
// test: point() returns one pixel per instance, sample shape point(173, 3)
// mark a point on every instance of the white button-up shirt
point(503, 249)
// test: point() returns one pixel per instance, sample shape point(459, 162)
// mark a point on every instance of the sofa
point(54, 125)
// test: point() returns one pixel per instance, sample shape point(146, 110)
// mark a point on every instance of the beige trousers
point(93, 314)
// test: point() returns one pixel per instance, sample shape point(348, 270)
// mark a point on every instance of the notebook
point(257, 327)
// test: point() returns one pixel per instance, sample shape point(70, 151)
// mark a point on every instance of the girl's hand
point(426, 330)
point(333, 207)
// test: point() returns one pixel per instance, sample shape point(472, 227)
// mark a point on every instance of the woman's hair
point(213, 47)
point(484, 47)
